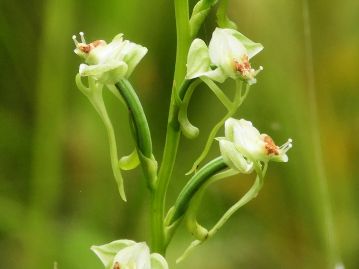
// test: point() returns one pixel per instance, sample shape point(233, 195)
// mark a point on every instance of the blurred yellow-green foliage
point(57, 193)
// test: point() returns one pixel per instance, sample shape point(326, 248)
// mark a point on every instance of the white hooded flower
point(127, 254)
point(246, 140)
point(227, 56)
point(108, 63)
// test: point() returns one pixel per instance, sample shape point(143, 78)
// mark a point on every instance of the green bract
point(109, 63)
point(127, 254)
point(227, 56)
point(244, 144)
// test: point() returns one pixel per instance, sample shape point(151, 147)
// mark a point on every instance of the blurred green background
point(57, 193)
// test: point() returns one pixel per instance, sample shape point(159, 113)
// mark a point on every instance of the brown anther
point(86, 48)
point(270, 146)
point(116, 266)
point(244, 66)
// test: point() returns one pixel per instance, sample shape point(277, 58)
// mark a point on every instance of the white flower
point(109, 63)
point(250, 144)
point(227, 56)
point(127, 254)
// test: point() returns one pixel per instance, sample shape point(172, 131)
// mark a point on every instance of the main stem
point(173, 130)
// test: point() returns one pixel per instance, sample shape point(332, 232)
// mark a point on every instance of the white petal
point(216, 75)
point(107, 252)
point(228, 128)
point(248, 140)
point(198, 61)
point(233, 158)
point(98, 69)
point(106, 73)
point(133, 55)
point(252, 48)
point(224, 50)
point(137, 255)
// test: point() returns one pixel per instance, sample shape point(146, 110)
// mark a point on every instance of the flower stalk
point(173, 131)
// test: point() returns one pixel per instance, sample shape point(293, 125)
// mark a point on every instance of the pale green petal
point(134, 256)
point(216, 75)
point(99, 69)
point(108, 53)
point(133, 54)
point(251, 47)
point(118, 37)
point(233, 158)
point(224, 50)
point(228, 128)
point(248, 142)
point(198, 61)
point(158, 262)
point(108, 73)
point(107, 252)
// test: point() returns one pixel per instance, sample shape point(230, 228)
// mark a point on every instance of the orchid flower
point(227, 56)
point(127, 254)
point(108, 63)
point(244, 144)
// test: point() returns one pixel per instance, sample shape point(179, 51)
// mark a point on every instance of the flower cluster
point(244, 145)
point(227, 56)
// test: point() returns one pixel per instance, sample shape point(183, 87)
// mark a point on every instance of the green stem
point(238, 100)
point(218, 92)
point(250, 195)
point(173, 130)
